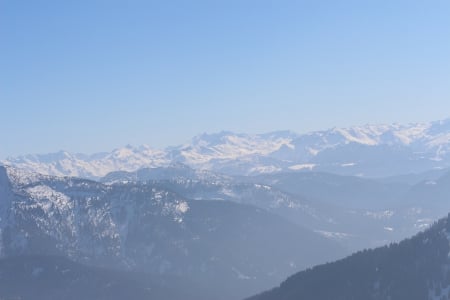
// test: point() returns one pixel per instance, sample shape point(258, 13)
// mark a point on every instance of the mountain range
point(369, 151)
point(233, 210)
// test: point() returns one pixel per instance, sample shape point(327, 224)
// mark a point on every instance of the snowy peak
point(228, 146)
point(96, 165)
point(373, 135)
point(369, 150)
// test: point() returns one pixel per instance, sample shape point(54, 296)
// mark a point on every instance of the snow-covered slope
point(371, 150)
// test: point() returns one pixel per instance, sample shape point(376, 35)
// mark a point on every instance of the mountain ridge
point(367, 150)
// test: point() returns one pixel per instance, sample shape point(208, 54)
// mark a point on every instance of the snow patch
point(182, 207)
point(241, 275)
point(48, 198)
point(302, 167)
point(348, 165)
point(264, 169)
point(333, 235)
point(379, 215)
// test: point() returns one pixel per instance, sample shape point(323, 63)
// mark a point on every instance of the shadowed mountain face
point(145, 227)
point(417, 268)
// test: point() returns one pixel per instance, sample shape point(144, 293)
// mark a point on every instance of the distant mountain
point(371, 151)
point(340, 190)
point(428, 200)
point(354, 211)
point(367, 212)
point(90, 166)
point(417, 268)
point(175, 171)
point(146, 227)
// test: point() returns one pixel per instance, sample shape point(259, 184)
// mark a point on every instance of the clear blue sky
point(87, 76)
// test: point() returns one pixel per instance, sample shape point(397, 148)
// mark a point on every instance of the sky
point(89, 75)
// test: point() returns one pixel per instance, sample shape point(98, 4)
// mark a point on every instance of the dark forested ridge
point(416, 268)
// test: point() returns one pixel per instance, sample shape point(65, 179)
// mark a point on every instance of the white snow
point(182, 207)
point(333, 235)
point(47, 198)
point(358, 135)
point(422, 224)
point(264, 170)
point(302, 167)
point(240, 275)
point(348, 164)
point(125, 159)
point(385, 214)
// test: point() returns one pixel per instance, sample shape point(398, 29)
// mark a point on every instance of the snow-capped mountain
point(371, 150)
point(63, 163)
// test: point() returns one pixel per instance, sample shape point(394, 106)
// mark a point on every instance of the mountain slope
point(148, 228)
point(416, 268)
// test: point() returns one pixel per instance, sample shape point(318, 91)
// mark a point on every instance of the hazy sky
point(87, 76)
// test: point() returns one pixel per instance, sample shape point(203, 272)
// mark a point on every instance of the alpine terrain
point(369, 151)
